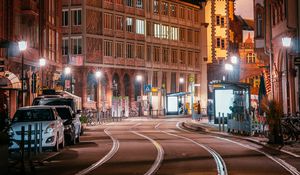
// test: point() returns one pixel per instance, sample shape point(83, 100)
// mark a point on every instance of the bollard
point(223, 127)
point(219, 122)
point(22, 149)
point(40, 137)
point(29, 142)
point(35, 137)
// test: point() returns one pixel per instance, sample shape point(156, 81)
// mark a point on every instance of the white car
point(52, 126)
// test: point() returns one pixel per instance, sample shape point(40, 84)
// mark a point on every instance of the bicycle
point(133, 112)
point(290, 127)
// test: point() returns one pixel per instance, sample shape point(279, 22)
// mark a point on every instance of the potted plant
point(83, 119)
point(274, 113)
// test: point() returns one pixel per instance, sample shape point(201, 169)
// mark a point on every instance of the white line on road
point(159, 157)
point(108, 156)
point(221, 166)
point(279, 161)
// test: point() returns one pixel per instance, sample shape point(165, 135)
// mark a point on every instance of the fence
point(27, 140)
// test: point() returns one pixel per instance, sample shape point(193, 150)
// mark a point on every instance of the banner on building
point(76, 60)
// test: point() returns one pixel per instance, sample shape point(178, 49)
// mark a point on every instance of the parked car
point(72, 124)
point(52, 126)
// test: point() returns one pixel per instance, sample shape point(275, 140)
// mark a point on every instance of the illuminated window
point(251, 58)
point(164, 31)
point(174, 33)
point(140, 26)
point(157, 30)
point(129, 24)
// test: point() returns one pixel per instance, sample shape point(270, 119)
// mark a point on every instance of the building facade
point(274, 21)
point(159, 41)
point(37, 23)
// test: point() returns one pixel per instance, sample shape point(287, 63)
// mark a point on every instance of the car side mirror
point(78, 111)
point(73, 115)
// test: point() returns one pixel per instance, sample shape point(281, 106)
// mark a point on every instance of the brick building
point(159, 40)
point(37, 23)
point(275, 20)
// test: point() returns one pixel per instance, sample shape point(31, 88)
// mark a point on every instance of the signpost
point(147, 88)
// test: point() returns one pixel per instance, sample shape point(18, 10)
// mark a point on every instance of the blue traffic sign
point(147, 88)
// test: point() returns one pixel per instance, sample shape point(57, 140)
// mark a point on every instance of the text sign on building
point(297, 61)
point(76, 60)
point(147, 88)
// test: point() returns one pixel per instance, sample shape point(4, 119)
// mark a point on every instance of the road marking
point(156, 126)
point(279, 161)
point(108, 156)
point(159, 157)
point(221, 166)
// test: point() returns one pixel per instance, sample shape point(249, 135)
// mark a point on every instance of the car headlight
point(50, 128)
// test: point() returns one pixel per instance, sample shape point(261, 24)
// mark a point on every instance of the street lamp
point(139, 79)
point(98, 75)
point(22, 47)
point(287, 42)
point(234, 59)
point(228, 67)
point(181, 80)
point(42, 62)
point(67, 72)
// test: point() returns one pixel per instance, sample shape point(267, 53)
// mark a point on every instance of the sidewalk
point(205, 126)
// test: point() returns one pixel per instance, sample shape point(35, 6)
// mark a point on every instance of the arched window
point(251, 58)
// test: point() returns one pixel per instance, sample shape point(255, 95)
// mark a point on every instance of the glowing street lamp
point(139, 78)
point(234, 59)
point(181, 80)
point(67, 70)
point(286, 41)
point(98, 74)
point(22, 47)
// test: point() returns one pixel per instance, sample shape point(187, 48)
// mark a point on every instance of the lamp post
point(139, 79)
point(42, 63)
point(67, 72)
point(22, 47)
point(286, 43)
point(98, 75)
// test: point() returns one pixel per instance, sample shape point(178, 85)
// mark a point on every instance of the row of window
point(131, 50)
point(151, 29)
point(75, 15)
point(163, 7)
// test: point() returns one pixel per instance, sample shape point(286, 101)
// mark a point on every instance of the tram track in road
point(221, 166)
point(108, 156)
point(288, 167)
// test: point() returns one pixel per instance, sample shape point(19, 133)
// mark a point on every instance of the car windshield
point(56, 102)
point(64, 113)
point(29, 115)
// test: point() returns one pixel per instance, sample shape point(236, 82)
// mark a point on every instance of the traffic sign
point(191, 78)
point(147, 88)
point(154, 89)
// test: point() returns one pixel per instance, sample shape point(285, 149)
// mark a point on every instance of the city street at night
point(163, 146)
